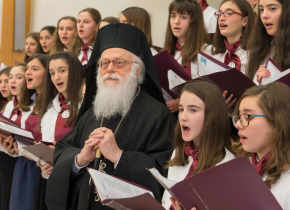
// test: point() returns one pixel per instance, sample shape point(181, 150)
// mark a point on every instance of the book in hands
point(166, 63)
point(231, 185)
point(277, 75)
point(216, 72)
point(121, 194)
point(38, 152)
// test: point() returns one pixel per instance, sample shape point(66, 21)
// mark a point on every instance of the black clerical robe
point(146, 138)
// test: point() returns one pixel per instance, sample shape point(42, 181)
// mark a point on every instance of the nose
point(28, 72)
point(56, 76)
point(238, 125)
point(177, 20)
point(111, 68)
point(182, 116)
point(265, 14)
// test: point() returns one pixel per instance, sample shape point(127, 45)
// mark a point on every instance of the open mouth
point(222, 26)
point(242, 138)
point(65, 38)
point(29, 80)
point(81, 31)
point(185, 129)
point(13, 88)
point(3, 91)
point(268, 25)
point(177, 29)
point(60, 84)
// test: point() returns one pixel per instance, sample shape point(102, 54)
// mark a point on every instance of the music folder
point(165, 62)
point(218, 73)
point(121, 194)
point(231, 185)
point(277, 75)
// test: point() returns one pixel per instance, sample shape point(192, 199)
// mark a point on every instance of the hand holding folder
point(121, 194)
point(232, 185)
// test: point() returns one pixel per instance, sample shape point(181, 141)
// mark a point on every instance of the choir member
point(25, 171)
point(45, 36)
point(235, 23)
point(270, 39)
point(87, 26)
point(32, 45)
point(107, 21)
point(253, 4)
point(262, 118)
point(64, 37)
point(199, 141)
point(210, 21)
point(116, 107)
point(185, 36)
point(59, 109)
point(7, 163)
point(139, 18)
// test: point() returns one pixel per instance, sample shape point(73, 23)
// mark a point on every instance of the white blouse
point(49, 119)
point(210, 21)
point(178, 173)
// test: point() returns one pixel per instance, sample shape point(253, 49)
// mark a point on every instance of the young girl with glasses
point(201, 136)
point(185, 36)
point(271, 39)
point(235, 21)
point(262, 118)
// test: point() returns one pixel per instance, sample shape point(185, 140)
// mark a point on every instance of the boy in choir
point(25, 112)
point(32, 45)
point(64, 37)
point(201, 136)
point(235, 23)
point(45, 38)
point(87, 27)
point(7, 163)
point(123, 114)
point(262, 118)
point(210, 21)
point(139, 18)
point(59, 109)
point(183, 42)
point(270, 39)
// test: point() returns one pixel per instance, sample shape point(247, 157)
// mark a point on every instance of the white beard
point(114, 101)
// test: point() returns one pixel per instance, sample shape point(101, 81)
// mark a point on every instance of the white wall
point(47, 12)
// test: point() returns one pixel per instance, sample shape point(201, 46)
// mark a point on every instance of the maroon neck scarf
point(187, 68)
point(203, 4)
point(193, 153)
point(16, 111)
point(259, 165)
point(231, 57)
point(62, 102)
point(85, 48)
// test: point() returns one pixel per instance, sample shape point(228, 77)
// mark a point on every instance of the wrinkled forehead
point(114, 53)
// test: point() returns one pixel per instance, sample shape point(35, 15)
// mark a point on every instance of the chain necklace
point(102, 164)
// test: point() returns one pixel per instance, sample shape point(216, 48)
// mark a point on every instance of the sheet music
point(15, 130)
point(209, 65)
point(166, 183)
point(275, 72)
point(109, 187)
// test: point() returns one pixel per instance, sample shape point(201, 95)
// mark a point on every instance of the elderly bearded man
point(128, 122)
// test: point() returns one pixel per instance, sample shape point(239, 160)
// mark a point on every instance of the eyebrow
point(193, 106)
point(246, 110)
point(269, 5)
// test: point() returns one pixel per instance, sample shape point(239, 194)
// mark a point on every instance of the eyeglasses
point(245, 118)
point(227, 13)
point(118, 63)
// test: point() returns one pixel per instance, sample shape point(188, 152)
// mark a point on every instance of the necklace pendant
point(102, 166)
point(65, 114)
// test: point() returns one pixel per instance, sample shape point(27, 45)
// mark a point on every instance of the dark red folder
point(234, 185)
point(164, 62)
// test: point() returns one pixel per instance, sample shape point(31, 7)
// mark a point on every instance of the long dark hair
point(261, 44)
point(75, 80)
point(50, 29)
point(5, 71)
point(35, 36)
point(196, 36)
point(218, 40)
point(274, 101)
point(215, 134)
point(43, 59)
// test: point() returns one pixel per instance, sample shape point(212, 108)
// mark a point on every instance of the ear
point(245, 21)
point(138, 72)
point(255, 2)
